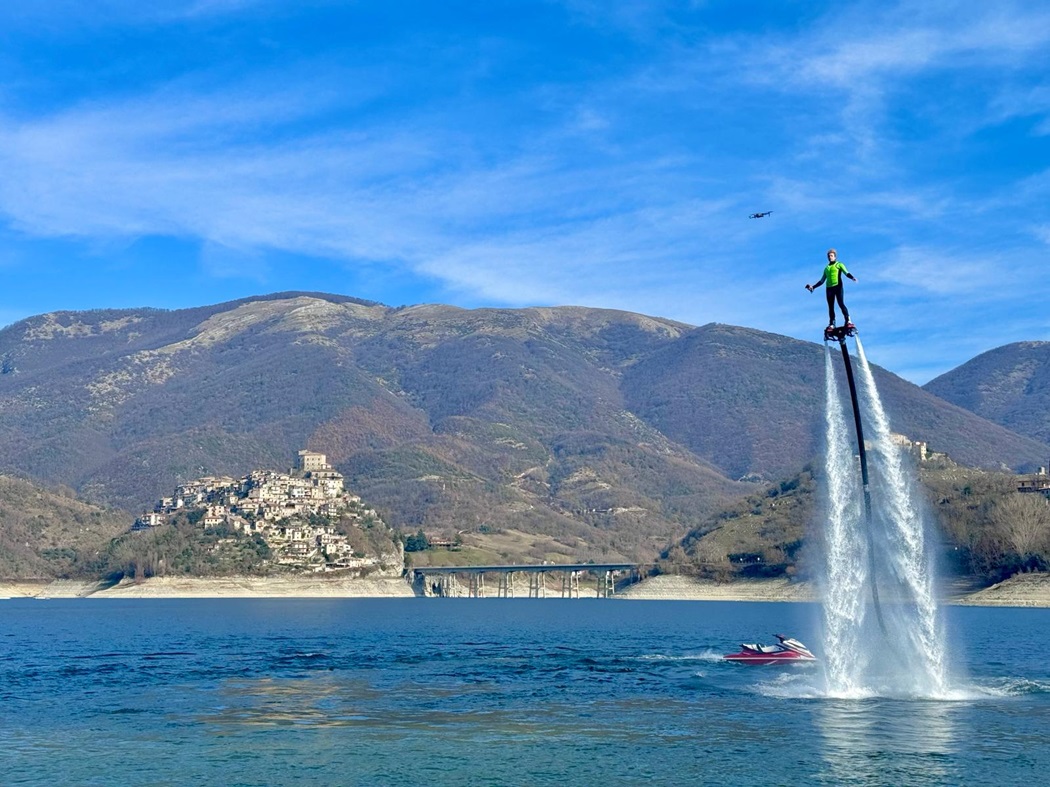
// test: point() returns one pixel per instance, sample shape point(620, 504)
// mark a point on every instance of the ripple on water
point(540, 693)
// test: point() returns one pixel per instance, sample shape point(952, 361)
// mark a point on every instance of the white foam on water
point(802, 686)
point(796, 685)
point(852, 693)
point(1006, 687)
point(707, 655)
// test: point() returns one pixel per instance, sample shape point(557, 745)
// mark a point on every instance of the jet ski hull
point(786, 651)
point(767, 659)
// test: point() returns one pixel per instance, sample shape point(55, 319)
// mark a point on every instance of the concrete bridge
point(450, 581)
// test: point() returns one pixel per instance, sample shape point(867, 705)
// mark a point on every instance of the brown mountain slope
point(1009, 386)
point(441, 417)
point(46, 533)
point(608, 431)
point(752, 402)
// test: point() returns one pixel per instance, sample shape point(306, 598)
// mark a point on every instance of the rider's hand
point(809, 287)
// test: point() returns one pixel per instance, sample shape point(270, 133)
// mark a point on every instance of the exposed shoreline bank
point(1024, 590)
point(214, 587)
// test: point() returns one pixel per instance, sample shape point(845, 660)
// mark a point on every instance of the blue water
point(490, 692)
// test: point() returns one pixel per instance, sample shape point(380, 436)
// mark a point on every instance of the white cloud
point(866, 44)
point(630, 191)
point(942, 273)
point(1022, 101)
point(857, 65)
point(218, 167)
point(75, 14)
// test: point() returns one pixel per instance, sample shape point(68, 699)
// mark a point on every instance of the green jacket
point(831, 274)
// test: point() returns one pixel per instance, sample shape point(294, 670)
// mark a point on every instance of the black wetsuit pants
point(835, 294)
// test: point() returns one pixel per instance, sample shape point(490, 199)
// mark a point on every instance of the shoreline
point(213, 587)
point(1023, 590)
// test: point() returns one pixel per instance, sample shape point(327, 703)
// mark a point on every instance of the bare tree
point(1023, 523)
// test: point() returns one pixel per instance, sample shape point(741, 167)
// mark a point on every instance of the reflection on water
point(876, 742)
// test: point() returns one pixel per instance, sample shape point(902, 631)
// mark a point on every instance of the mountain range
point(586, 432)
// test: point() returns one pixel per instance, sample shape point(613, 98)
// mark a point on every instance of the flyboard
point(831, 333)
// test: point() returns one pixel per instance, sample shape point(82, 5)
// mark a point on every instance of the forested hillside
point(980, 524)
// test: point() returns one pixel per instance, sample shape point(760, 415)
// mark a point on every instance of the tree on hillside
point(1023, 523)
point(417, 543)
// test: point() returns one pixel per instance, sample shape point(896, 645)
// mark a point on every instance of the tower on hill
point(309, 461)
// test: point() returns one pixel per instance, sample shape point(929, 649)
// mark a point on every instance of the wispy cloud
point(868, 43)
point(220, 166)
point(623, 179)
point(942, 272)
point(862, 64)
point(73, 14)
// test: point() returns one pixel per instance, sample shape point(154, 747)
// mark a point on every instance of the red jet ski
point(787, 651)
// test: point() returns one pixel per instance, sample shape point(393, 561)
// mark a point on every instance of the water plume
point(898, 507)
point(846, 551)
point(912, 654)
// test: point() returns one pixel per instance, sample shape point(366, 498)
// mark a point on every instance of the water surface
point(490, 691)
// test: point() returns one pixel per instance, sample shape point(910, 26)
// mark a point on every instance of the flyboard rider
point(832, 276)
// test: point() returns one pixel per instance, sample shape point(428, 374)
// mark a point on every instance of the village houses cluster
point(290, 511)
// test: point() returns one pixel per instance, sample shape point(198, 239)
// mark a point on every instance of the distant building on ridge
point(311, 460)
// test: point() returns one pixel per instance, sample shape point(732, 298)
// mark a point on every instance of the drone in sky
point(759, 215)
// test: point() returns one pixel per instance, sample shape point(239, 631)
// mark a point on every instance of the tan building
point(310, 461)
point(214, 516)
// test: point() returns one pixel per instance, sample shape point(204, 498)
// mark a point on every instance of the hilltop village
point(305, 516)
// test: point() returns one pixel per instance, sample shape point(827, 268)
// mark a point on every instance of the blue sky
point(187, 152)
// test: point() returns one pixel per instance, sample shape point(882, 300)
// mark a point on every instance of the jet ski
point(786, 651)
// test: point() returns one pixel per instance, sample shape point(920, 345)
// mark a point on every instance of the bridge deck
point(528, 569)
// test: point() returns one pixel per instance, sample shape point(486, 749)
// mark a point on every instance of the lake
point(491, 692)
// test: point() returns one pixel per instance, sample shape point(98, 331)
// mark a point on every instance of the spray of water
point(920, 635)
point(846, 550)
point(904, 563)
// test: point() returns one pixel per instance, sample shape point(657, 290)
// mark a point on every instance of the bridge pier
point(570, 584)
point(448, 581)
point(447, 586)
point(506, 585)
